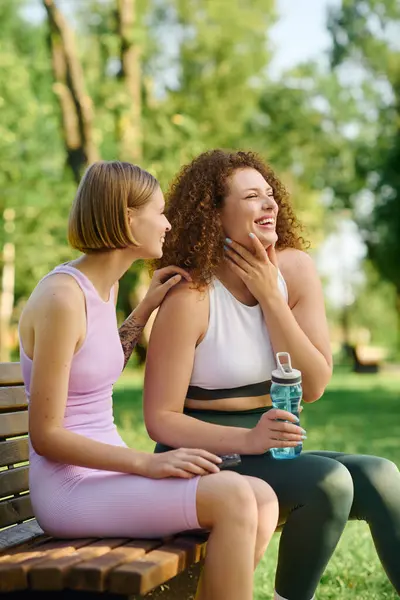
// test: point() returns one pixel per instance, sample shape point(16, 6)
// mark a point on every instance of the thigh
point(362, 467)
point(295, 481)
point(108, 504)
point(376, 480)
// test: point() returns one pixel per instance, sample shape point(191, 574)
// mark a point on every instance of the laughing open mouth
point(265, 222)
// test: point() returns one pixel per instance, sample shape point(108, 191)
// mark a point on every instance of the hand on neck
point(235, 285)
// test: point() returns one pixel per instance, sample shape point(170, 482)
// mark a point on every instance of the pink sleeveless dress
point(71, 501)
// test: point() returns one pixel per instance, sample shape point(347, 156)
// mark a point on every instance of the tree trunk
point(129, 117)
point(345, 322)
point(75, 103)
point(398, 319)
point(128, 122)
point(7, 289)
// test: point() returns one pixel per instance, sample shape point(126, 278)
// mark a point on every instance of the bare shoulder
point(185, 306)
point(56, 296)
point(291, 261)
point(59, 292)
point(184, 296)
point(299, 271)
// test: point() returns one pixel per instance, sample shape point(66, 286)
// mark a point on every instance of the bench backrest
point(15, 505)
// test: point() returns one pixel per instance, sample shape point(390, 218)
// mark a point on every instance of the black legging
point(318, 492)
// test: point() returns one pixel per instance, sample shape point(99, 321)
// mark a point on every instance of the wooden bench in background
point(32, 561)
point(366, 359)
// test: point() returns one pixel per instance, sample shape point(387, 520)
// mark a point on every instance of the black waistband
point(244, 391)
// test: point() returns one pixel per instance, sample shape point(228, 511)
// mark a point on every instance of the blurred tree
point(365, 35)
point(129, 124)
point(69, 87)
point(167, 79)
point(33, 190)
point(204, 71)
point(374, 309)
point(201, 74)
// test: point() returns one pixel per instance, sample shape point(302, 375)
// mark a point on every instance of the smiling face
point(249, 207)
point(149, 226)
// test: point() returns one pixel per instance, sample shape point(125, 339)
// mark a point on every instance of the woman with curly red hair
point(255, 292)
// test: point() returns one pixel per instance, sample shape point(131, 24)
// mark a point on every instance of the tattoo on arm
point(129, 334)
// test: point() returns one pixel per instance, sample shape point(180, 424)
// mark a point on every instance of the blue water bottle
point(286, 394)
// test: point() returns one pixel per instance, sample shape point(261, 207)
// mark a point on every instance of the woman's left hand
point(259, 271)
point(162, 281)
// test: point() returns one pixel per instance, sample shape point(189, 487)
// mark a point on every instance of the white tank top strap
point(282, 285)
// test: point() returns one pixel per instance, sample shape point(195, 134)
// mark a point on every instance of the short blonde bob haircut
point(98, 220)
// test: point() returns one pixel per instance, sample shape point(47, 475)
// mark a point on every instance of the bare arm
point(132, 329)
point(301, 328)
point(180, 323)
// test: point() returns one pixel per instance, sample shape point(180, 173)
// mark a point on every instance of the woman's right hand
point(272, 433)
point(184, 462)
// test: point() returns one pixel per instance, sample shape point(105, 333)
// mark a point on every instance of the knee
point(377, 474)
point(239, 499)
point(267, 505)
point(337, 490)
point(268, 514)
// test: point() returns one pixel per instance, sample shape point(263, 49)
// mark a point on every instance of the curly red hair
point(194, 199)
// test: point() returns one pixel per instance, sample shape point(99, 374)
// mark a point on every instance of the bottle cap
point(285, 374)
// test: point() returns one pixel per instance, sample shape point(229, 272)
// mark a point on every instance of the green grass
point(358, 414)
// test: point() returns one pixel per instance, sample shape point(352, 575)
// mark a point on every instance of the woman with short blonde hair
point(84, 480)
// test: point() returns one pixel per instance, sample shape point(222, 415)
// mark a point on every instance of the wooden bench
point(32, 561)
point(365, 359)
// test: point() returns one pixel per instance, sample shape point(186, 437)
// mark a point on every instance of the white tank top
point(236, 350)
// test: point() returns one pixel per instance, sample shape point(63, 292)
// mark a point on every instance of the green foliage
point(205, 83)
point(33, 185)
point(365, 37)
point(373, 314)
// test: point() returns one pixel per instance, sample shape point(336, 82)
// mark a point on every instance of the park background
point(312, 85)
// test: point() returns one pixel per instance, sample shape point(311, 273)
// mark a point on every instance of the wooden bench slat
point(14, 481)
point(156, 567)
point(14, 451)
point(195, 546)
point(51, 573)
point(92, 575)
point(12, 424)
point(14, 567)
point(15, 510)
point(10, 374)
point(13, 398)
point(19, 534)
